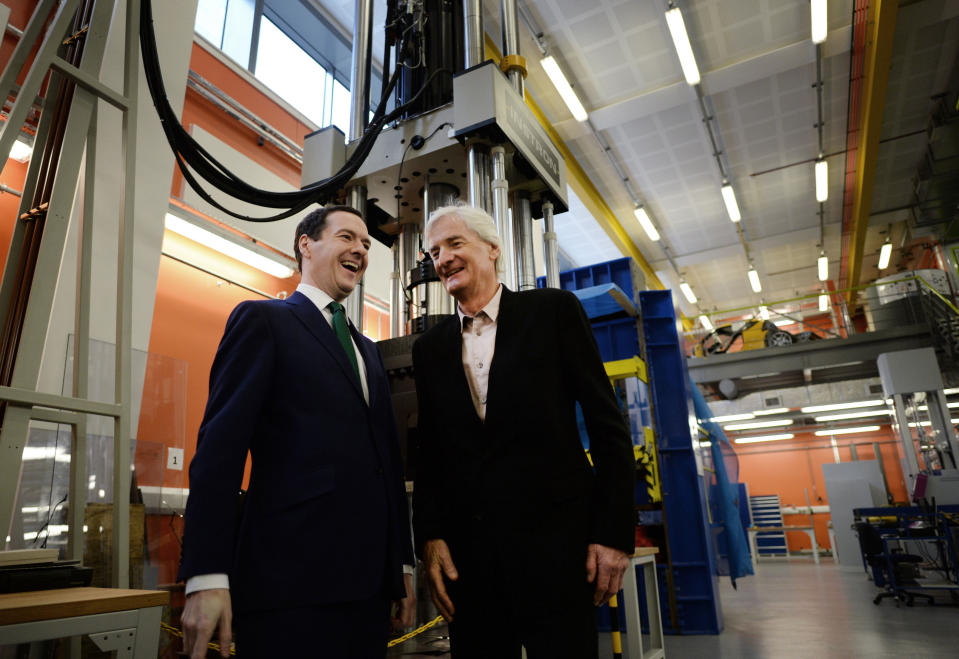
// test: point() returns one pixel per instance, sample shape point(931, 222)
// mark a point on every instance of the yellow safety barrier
point(396, 641)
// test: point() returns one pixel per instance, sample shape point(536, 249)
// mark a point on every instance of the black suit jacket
point(325, 518)
point(519, 484)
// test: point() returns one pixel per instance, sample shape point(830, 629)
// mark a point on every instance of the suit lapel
point(312, 318)
point(370, 360)
point(451, 357)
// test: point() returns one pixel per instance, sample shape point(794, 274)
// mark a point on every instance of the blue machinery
point(679, 521)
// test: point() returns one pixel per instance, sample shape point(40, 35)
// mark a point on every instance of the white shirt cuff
point(207, 582)
point(409, 569)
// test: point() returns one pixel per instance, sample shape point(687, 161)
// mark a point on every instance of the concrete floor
point(796, 609)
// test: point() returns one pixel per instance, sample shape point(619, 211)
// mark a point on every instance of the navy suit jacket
point(325, 517)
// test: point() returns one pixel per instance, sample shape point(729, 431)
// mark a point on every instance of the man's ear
point(304, 244)
point(494, 252)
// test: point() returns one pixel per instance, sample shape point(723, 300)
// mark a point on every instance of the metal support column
point(510, 23)
point(397, 306)
point(550, 246)
point(500, 215)
point(437, 195)
point(478, 164)
point(908, 444)
point(523, 242)
point(354, 303)
point(360, 80)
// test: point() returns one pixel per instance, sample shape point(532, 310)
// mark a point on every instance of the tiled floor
point(796, 610)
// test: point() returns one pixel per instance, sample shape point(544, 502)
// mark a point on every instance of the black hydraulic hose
point(191, 155)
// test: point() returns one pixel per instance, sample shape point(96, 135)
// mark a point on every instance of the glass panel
point(341, 108)
point(209, 20)
point(238, 32)
point(290, 72)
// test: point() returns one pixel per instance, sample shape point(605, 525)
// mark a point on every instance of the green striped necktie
point(343, 334)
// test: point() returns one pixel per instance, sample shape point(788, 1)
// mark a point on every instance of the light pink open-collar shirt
point(479, 340)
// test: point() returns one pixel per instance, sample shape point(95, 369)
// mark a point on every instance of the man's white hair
point(476, 219)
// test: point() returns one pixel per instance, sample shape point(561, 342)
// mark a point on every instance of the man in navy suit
point(310, 564)
point(518, 532)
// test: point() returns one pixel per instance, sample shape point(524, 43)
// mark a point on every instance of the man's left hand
point(605, 566)
point(404, 610)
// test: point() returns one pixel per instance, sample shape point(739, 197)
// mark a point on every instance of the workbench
point(127, 621)
point(756, 530)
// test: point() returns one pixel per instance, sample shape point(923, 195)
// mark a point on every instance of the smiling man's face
point(465, 263)
point(335, 262)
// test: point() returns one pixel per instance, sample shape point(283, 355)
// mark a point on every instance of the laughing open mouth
point(349, 265)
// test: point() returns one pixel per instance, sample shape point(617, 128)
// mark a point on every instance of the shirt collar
point(317, 296)
point(491, 309)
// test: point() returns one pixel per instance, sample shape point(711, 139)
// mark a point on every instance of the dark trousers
point(351, 630)
point(491, 621)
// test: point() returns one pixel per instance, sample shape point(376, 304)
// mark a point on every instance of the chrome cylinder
point(550, 246)
point(523, 241)
point(501, 216)
point(437, 195)
point(478, 165)
point(354, 303)
point(360, 80)
point(475, 36)
point(510, 22)
point(397, 299)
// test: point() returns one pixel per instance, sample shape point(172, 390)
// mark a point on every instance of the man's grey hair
point(476, 219)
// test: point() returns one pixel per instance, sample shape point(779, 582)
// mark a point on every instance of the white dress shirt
point(479, 340)
point(321, 300)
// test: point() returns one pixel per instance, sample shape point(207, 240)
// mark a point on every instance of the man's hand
point(404, 610)
point(439, 563)
point(204, 611)
point(606, 566)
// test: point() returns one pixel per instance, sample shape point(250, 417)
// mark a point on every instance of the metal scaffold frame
point(50, 224)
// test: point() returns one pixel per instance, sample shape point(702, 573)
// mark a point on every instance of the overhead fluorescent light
point(784, 322)
point(884, 254)
point(926, 424)
point(817, 11)
point(822, 181)
point(823, 302)
point(759, 424)
point(733, 417)
point(21, 151)
point(687, 292)
point(950, 392)
point(841, 406)
point(677, 30)
point(754, 280)
point(925, 408)
point(852, 415)
point(846, 431)
point(764, 438)
point(729, 198)
point(705, 322)
point(562, 86)
point(227, 247)
point(823, 265)
point(646, 223)
point(764, 312)
point(777, 410)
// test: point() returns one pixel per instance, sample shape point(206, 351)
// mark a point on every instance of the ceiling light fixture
point(846, 431)
point(677, 30)
point(228, 247)
point(759, 424)
point(841, 406)
point(729, 198)
point(784, 322)
point(950, 392)
point(823, 301)
point(817, 14)
point(754, 279)
point(884, 254)
point(562, 86)
point(764, 438)
point(778, 410)
point(852, 415)
point(823, 265)
point(646, 223)
point(687, 291)
point(822, 180)
point(21, 151)
point(745, 416)
point(704, 321)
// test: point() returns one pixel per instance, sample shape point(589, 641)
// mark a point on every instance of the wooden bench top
point(644, 551)
point(69, 602)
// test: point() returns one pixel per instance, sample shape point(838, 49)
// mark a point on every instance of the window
point(228, 25)
point(289, 71)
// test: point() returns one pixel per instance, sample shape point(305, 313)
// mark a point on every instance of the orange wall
point(790, 468)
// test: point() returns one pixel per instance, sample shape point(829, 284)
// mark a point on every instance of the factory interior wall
point(791, 468)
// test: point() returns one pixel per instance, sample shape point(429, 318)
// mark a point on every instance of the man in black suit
point(520, 536)
point(311, 563)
